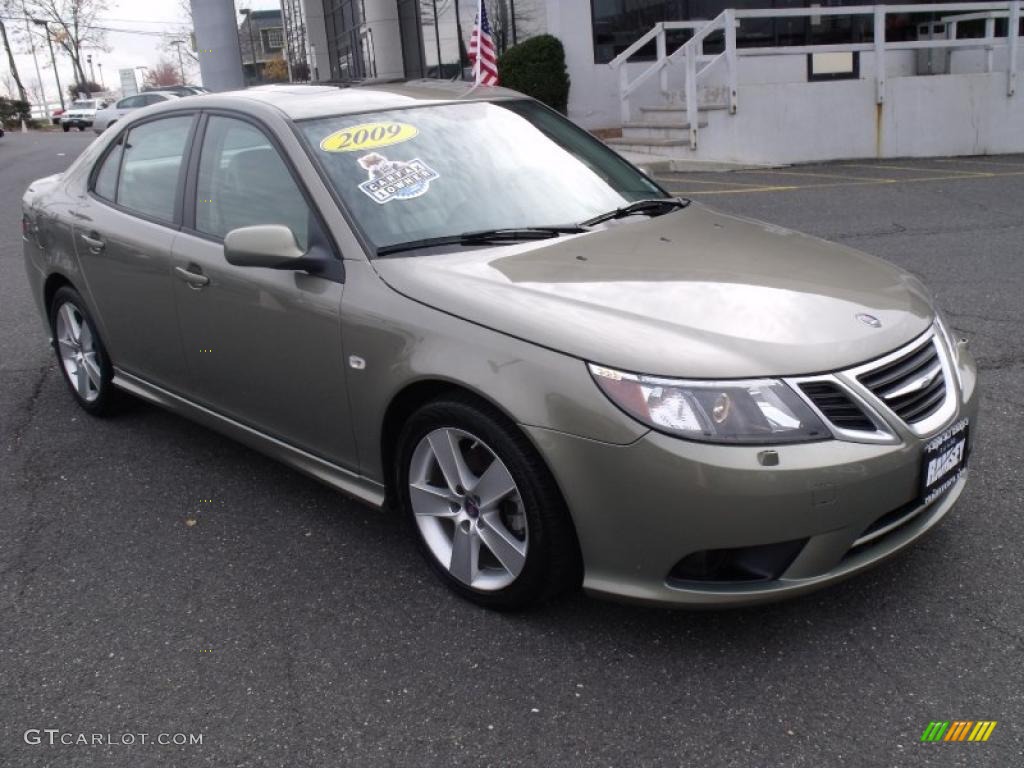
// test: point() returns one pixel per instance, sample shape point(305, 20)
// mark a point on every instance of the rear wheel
point(80, 352)
point(66, 128)
point(487, 512)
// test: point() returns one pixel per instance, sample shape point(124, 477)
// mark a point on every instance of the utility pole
point(247, 12)
point(437, 39)
point(53, 59)
point(181, 66)
point(92, 72)
point(512, 14)
point(39, 77)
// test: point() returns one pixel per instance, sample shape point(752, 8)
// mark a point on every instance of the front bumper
point(640, 509)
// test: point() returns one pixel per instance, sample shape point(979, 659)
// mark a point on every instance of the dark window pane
point(152, 163)
point(244, 182)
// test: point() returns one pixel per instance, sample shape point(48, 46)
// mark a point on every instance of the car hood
point(694, 293)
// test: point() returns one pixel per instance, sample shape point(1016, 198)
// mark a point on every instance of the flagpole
point(477, 69)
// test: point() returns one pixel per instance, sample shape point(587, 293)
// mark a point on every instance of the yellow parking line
point(832, 175)
point(979, 162)
point(720, 183)
point(866, 182)
point(909, 168)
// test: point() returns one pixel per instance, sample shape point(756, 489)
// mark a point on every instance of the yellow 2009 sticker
point(368, 136)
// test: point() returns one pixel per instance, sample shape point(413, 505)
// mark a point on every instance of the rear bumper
point(642, 508)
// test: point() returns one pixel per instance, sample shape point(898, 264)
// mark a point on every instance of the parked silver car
point(109, 115)
point(466, 307)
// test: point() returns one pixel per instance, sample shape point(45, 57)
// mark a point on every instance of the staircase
point(662, 128)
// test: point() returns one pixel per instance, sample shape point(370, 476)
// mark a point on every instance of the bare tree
point(7, 7)
point(166, 72)
point(74, 24)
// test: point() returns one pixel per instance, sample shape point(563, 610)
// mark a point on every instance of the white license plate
point(945, 459)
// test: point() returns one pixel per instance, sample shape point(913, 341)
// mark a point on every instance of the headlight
point(758, 411)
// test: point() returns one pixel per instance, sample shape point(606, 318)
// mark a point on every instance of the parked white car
point(81, 114)
point(107, 117)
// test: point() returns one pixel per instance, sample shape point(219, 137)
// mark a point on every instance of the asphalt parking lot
point(290, 626)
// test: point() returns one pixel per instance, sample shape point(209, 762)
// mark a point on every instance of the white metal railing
point(697, 64)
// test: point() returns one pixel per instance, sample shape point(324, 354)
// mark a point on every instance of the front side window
point(153, 160)
point(106, 178)
point(439, 171)
point(243, 182)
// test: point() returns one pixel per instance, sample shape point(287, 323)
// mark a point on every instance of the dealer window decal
point(395, 179)
point(358, 138)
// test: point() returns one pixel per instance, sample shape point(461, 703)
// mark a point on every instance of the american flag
point(482, 53)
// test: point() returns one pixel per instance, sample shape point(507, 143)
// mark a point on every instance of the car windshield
point(440, 171)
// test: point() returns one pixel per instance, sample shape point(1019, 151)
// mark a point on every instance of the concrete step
point(658, 131)
point(649, 163)
point(679, 109)
point(647, 147)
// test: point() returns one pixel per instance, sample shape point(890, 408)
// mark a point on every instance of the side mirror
point(266, 245)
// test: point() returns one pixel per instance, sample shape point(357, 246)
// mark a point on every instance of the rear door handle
point(95, 244)
point(194, 279)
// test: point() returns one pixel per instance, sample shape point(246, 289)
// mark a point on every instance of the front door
point(124, 233)
point(264, 344)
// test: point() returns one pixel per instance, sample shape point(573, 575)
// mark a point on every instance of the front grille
point(837, 406)
point(913, 386)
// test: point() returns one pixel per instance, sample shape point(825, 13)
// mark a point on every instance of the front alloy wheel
point(468, 509)
point(487, 512)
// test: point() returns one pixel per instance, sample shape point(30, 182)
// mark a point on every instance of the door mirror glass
point(265, 245)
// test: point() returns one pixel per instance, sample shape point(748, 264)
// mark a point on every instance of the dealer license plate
point(945, 459)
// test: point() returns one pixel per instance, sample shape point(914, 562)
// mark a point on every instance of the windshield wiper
point(654, 206)
point(483, 237)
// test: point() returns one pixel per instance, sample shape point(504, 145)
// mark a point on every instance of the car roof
point(298, 101)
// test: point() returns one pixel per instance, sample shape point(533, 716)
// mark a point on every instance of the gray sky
point(127, 49)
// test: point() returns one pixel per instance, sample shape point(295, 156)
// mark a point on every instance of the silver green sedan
point(464, 307)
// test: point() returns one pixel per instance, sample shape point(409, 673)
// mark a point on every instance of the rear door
point(123, 236)
point(264, 344)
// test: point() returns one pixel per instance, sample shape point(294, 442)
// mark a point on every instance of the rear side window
point(153, 159)
point(106, 179)
point(244, 182)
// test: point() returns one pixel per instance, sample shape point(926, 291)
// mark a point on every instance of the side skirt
point(347, 482)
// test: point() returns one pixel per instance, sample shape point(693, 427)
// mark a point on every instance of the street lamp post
point(92, 72)
point(247, 12)
point(102, 81)
point(53, 59)
point(181, 66)
point(39, 77)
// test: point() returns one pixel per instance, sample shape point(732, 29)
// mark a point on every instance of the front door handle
point(94, 242)
point(194, 279)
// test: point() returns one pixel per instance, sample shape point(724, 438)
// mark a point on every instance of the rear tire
point(81, 354)
point(486, 511)
point(66, 128)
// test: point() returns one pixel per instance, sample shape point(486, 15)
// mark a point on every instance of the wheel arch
point(53, 283)
point(416, 394)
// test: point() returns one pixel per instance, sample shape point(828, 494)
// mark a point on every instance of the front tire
point(81, 355)
point(487, 513)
